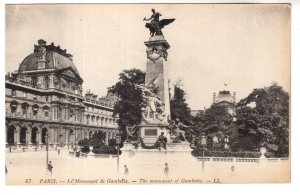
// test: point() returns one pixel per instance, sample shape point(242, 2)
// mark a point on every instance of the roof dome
point(224, 96)
point(55, 58)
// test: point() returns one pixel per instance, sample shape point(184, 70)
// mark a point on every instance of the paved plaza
point(30, 168)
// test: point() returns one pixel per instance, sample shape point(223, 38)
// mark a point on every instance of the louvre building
point(45, 102)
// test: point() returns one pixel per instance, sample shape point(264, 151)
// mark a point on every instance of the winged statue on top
point(155, 24)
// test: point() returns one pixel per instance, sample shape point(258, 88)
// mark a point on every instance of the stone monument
point(154, 130)
point(156, 107)
point(150, 150)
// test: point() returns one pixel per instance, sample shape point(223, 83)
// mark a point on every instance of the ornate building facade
point(44, 102)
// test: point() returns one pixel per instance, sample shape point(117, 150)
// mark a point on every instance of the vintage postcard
point(147, 94)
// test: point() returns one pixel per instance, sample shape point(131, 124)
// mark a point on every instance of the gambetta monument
point(156, 120)
point(156, 107)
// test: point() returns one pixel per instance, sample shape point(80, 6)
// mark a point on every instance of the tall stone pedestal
point(157, 75)
point(157, 68)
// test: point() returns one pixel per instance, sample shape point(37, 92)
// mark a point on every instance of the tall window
point(71, 113)
point(46, 111)
point(13, 92)
point(24, 109)
point(35, 109)
point(87, 119)
point(46, 82)
point(34, 81)
point(13, 107)
point(59, 112)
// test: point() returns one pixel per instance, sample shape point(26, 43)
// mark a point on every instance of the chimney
point(94, 98)
point(234, 97)
point(70, 57)
point(41, 54)
point(214, 97)
point(41, 43)
point(88, 95)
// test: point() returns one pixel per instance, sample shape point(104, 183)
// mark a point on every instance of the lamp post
point(46, 140)
point(10, 143)
point(118, 141)
point(203, 146)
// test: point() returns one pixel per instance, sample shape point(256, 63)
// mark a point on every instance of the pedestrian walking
point(126, 170)
point(5, 170)
point(50, 167)
point(232, 171)
point(166, 170)
point(58, 150)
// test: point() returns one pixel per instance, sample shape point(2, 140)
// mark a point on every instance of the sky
point(245, 46)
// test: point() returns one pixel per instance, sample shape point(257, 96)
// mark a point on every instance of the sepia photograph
point(99, 94)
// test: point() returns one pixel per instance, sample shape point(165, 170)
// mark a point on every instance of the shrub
point(84, 142)
point(98, 146)
point(85, 149)
point(244, 154)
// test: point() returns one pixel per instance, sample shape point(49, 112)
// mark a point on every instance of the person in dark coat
point(50, 167)
point(162, 140)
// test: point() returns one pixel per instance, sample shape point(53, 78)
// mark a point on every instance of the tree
point(179, 108)
point(210, 123)
point(267, 122)
point(128, 108)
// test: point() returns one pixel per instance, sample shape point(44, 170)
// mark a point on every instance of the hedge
point(245, 154)
point(106, 150)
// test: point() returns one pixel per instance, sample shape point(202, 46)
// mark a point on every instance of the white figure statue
point(153, 105)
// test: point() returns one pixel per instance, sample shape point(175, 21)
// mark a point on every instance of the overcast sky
point(245, 46)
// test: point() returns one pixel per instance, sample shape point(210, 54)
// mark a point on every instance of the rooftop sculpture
point(155, 24)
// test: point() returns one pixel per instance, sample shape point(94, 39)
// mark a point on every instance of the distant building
point(224, 98)
point(44, 101)
point(196, 112)
point(223, 111)
point(224, 105)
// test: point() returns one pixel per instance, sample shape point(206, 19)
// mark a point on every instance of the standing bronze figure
point(155, 24)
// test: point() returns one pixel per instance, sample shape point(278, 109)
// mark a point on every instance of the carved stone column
point(28, 135)
point(55, 136)
point(6, 139)
point(67, 136)
point(17, 135)
point(39, 136)
point(106, 138)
